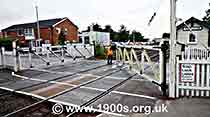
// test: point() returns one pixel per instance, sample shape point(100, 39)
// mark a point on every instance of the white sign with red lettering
point(187, 73)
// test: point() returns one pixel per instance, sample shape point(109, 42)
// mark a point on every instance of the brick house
point(49, 31)
point(1, 34)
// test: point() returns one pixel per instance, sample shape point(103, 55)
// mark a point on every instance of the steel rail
point(61, 93)
point(61, 77)
point(103, 94)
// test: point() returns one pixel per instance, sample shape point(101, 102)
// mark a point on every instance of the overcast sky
point(134, 14)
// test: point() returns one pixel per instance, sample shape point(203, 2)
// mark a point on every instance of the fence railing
point(193, 73)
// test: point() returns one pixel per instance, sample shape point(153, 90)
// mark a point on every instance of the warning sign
point(187, 73)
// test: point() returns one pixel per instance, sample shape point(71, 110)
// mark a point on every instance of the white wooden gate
point(21, 58)
point(193, 73)
point(144, 60)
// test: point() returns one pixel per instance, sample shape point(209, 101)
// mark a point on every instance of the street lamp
point(37, 23)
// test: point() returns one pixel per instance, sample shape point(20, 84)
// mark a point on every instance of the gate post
point(94, 49)
point(48, 56)
point(16, 57)
point(30, 57)
point(62, 54)
point(2, 56)
point(172, 60)
point(163, 73)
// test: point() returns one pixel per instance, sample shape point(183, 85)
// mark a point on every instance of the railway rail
point(54, 79)
point(66, 91)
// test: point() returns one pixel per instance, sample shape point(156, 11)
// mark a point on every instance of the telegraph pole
point(37, 18)
point(172, 61)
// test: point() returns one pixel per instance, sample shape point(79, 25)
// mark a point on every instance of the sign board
point(194, 28)
point(187, 73)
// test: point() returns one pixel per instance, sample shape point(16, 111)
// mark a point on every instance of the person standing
point(109, 55)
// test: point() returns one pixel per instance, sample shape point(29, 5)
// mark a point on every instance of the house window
point(20, 32)
point(28, 32)
point(58, 30)
point(87, 40)
point(65, 31)
point(80, 39)
point(192, 38)
point(47, 41)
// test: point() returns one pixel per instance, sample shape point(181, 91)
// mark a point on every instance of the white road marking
point(91, 88)
point(66, 73)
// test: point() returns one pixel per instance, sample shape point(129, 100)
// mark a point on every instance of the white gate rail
point(40, 56)
point(193, 73)
point(141, 59)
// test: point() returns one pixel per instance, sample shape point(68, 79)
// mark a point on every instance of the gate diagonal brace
point(33, 52)
point(68, 53)
point(87, 49)
point(62, 60)
point(79, 52)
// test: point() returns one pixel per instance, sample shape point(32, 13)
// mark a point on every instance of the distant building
point(1, 34)
point(198, 37)
point(49, 31)
point(102, 38)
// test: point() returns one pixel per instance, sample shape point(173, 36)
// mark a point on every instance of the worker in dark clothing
point(109, 55)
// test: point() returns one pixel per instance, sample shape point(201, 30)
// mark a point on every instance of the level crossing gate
point(148, 60)
point(21, 58)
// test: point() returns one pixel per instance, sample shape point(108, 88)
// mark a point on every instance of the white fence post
point(207, 79)
point(177, 77)
point(142, 62)
point(3, 56)
point(15, 56)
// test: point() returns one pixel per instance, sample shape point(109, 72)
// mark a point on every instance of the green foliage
point(6, 42)
point(61, 38)
point(122, 35)
point(100, 51)
point(135, 36)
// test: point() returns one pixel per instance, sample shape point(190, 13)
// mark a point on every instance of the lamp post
point(37, 23)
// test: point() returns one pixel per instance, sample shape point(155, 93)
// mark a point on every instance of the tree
point(207, 16)
point(166, 36)
point(62, 38)
point(94, 27)
point(135, 36)
point(113, 34)
point(7, 43)
point(97, 27)
point(108, 28)
point(123, 34)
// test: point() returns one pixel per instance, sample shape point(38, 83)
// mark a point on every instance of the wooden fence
point(193, 73)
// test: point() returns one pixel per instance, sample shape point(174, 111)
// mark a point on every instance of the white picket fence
point(193, 73)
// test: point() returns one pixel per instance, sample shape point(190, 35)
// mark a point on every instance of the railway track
point(104, 93)
point(54, 79)
point(66, 91)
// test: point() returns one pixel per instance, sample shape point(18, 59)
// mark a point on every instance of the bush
point(100, 51)
point(7, 43)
